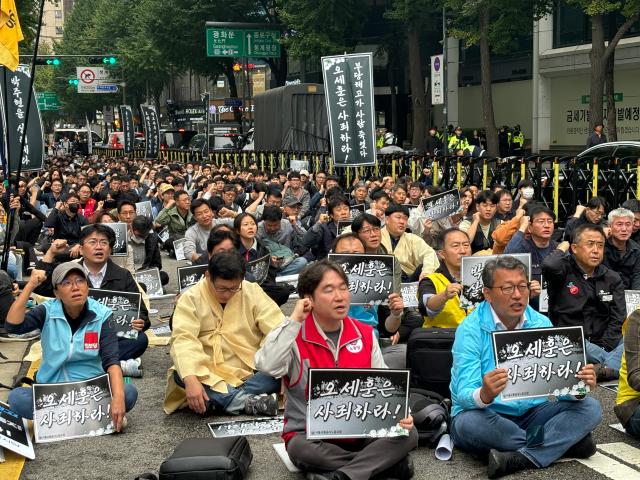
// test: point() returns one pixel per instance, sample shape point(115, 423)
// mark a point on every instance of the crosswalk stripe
point(622, 451)
point(609, 467)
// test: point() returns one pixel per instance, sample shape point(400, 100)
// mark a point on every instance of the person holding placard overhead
point(516, 434)
point(320, 334)
point(78, 342)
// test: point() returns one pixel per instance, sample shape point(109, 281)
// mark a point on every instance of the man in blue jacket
point(78, 342)
point(481, 421)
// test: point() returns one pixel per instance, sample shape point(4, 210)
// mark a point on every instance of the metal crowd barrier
point(561, 183)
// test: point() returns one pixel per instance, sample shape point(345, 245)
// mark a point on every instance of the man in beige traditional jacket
point(218, 326)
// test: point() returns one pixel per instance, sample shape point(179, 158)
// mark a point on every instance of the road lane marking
point(623, 452)
point(609, 467)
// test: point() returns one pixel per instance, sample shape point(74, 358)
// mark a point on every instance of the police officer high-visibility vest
point(458, 143)
point(518, 139)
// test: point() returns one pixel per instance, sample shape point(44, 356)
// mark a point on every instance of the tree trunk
point(418, 96)
point(280, 67)
point(612, 133)
point(597, 69)
point(487, 97)
point(394, 94)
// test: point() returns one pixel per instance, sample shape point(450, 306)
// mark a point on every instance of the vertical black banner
point(348, 88)
point(126, 118)
point(151, 131)
point(15, 85)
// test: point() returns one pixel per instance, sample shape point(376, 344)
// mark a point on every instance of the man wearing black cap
point(78, 342)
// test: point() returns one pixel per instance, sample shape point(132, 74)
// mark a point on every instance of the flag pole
point(12, 212)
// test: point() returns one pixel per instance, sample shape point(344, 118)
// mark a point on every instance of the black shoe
point(401, 470)
point(504, 463)
point(585, 448)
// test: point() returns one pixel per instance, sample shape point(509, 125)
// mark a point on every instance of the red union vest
point(354, 351)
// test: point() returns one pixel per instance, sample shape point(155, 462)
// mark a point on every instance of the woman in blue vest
point(78, 342)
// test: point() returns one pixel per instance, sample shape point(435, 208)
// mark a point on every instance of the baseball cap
point(64, 269)
point(304, 172)
point(165, 187)
point(291, 201)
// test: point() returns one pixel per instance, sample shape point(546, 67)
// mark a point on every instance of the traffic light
point(73, 81)
point(103, 60)
point(51, 61)
point(237, 67)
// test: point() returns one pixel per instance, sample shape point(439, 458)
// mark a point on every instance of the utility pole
point(445, 72)
point(205, 98)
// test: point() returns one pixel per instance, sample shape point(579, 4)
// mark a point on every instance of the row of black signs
point(151, 124)
point(342, 403)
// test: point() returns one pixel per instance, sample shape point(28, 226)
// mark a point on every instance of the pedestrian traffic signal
point(73, 81)
point(51, 61)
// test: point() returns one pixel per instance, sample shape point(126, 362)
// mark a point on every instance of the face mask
point(189, 170)
point(527, 193)
point(73, 208)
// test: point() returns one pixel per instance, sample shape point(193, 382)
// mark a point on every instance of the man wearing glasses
point(483, 423)
point(218, 326)
point(582, 291)
point(71, 325)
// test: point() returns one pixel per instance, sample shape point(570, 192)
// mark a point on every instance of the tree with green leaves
point(602, 54)
point(493, 25)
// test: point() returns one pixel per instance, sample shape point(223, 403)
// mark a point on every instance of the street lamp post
point(445, 70)
point(205, 96)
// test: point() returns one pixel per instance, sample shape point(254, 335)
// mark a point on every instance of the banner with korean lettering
point(16, 86)
point(125, 307)
point(189, 276)
point(441, 205)
point(151, 131)
point(471, 277)
point(348, 88)
point(126, 120)
point(370, 276)
point(62, 411)
point(14, 433)
point(356, 403)
point(540, 361)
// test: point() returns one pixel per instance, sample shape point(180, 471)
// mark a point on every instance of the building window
point(59, 30)
point(58, 13)
point(572, 27)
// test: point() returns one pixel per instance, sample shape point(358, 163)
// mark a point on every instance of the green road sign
point(233, 42)
point(225, 42)
point(48, 101)
point(617, 97)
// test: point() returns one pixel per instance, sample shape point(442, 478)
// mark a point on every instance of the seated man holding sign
point(78, 342)
point(319, 334)
point(517, 433)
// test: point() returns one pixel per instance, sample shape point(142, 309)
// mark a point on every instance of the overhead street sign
point(236, 42)
point(47, 101)
point(90, 74)
point(94, 80)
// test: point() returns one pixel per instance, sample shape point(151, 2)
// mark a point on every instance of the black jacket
point(152, 257)
point(574, 222)
point(65, 227)
point(115, 278)
point(319, 239)
point(626, 264)
point(596, 303)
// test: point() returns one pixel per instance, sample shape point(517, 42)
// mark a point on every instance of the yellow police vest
point(452, 314)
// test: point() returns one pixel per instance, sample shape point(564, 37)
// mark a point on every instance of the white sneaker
point(131, 368)
point(22, 337)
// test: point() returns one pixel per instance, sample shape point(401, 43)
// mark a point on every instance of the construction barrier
point(559, 182)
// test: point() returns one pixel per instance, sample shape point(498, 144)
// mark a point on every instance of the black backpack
point(430, 412)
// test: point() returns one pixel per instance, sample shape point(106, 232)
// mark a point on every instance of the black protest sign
point(121, 247)
point(342, 225)
point(441, 205)
point(356, 403)
point(259, 268)
point(125, 307)
point(409, 293)
point(144, 209)
point(14, 433)
point(632, 300)
point(370, 276)
point(356, 211)
point(151, 280)
point(348, 90)
point(63, 411)
point(540, 362)
point(151, 131)
point(471, 276)
point(188, 276)
point(15, 87)
point(240, 428)
point(126, 119)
